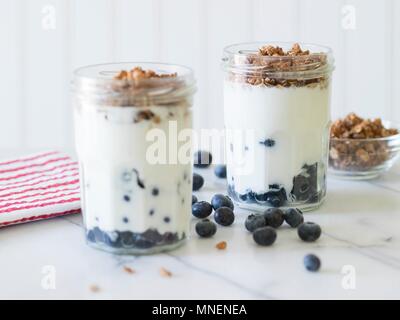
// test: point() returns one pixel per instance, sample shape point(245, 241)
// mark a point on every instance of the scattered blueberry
point(125, 220)
point(151, 212)
point(167, 219)
point(268, 142)
point(201, 209)
point(220, 171)
point(198, 181)
point(206, 228)
point(293, 217)
point(273, 217)
point(309, 231)
point(194, 199)
point(312, 262)
point(219, 200)
point(255, 221)
point(155, 192)
point(224, 216)
point(264, 236)
point(127, 198)
point(202, 159)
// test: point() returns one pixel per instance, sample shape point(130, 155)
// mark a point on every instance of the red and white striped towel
point(38, 186)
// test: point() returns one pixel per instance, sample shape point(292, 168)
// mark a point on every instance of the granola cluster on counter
point(357, 154)
point(268, 64)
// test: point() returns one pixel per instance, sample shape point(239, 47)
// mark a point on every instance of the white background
point(41, 42)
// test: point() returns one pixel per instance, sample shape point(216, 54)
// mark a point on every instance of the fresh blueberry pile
point(223, 214)
point(263, 226)
point(274, 218)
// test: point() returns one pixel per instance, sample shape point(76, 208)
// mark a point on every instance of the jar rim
point(97, 82)
point(235, 60)
point(107, 71)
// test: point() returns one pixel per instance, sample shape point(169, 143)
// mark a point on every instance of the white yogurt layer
point(112, 153)
point(295, 118)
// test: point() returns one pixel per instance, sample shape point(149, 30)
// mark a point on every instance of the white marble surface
point(361, 228)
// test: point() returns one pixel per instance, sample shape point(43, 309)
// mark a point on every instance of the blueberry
point(127, 198)
point(219, 200)
point(268, 142)
point(202, 159)
point(127, 239)
point(220, 171)
point(167, 219)
point(112, 239)
point(198, 181)
point(273, 217)
point(274, 200)
point(275, 197)
point(255, 221)
point(98, 235)
point(224, 216)
point(125, 219)
point(139, 181)
point(264, 236)
point(301, 188)
point(126, 176)
point(194, 199)
point(206, 228)
point(312, 262)
point(201, 209)
point(90, 236)
point(309, 231)
point(293, 217)
point(305, 183)
point(155, 192)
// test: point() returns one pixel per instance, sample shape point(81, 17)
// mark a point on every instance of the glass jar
point(136, 192)
point(277, 118)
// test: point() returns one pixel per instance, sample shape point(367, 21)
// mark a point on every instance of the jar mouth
point(245, 59)
point(98, 83)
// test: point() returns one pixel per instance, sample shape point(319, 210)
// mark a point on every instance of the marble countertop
point(359, 250)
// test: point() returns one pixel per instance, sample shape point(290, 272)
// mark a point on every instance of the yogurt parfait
point(277, 117)
point(135, 199)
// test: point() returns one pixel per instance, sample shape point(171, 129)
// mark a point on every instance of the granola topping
point(272, 66)
point(356, 153)
point(138, 74)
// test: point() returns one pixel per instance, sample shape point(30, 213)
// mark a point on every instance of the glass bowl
point(361, 159)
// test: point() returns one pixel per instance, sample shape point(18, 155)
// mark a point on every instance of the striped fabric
point(38, 186)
